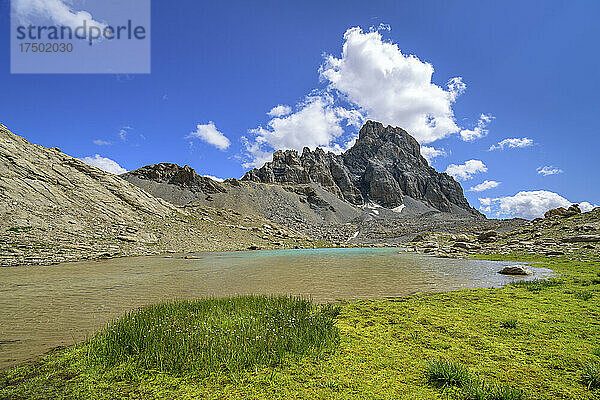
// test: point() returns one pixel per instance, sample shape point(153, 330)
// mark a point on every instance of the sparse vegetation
point(20, 229)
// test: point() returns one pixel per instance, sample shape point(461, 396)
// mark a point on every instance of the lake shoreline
point(406, 331)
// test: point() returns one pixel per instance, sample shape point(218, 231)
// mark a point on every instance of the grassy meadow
point(537, 340)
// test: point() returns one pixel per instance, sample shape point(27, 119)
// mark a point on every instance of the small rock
point(487, 236)
point(126, 238)
point(515, 270)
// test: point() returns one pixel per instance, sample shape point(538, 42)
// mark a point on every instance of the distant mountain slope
point(384, 166)
point(287, 204)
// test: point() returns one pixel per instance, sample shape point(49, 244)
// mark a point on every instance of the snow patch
point(399, 208)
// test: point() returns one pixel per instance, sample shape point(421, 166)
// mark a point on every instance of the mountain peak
point(384, 165)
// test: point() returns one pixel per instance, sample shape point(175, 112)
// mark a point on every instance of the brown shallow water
point(44, 307)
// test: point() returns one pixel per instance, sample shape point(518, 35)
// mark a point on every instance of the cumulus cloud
point(429, 153)
point(214, 178)
point(280, 111)
point(392, 87)
point(549, 170)
point(317, 123)
point(370, 79)
point(485, 185)
point(512, 143)
point(584, 206)
point(60, 12)
point(528, 204)
point(210, 134)
point(469, 135)
point(467, 170)
point(104, 163)
point(100, 142)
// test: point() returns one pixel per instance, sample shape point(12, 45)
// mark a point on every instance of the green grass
point(537, 285)
point(445, 373)
point(214, 335)
point(591, 375)
point(383, 352)
point(510, 323)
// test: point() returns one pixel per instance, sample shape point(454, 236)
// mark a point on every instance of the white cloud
point(317, 123)
point(391, 87)
point(429, 153)
point(214, 178)
point(280, 111)
point(100, 142)
point(371, 79)
point(469, 135)
point(384, 27)
point(586, 207)
point(104, 163)
point(528, 204)
point(467, 170)
point(123, 132)
point(58, 11)
point(512, 143)
point(549, 170)
point(210, 134)
point(485, 185)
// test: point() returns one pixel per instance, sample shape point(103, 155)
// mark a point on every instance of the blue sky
point(529, 69)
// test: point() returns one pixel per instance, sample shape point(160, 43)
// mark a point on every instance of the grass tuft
point(215, 335)
point(443, 372)
point(591, 375)
point(476, 389)
point(537, 285)
point(509, 323)
point(582, 295)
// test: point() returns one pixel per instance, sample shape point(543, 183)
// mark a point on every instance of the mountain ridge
point(383, 166)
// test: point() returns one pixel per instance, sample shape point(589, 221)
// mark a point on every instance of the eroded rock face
point(173, 174)
point(384, 165)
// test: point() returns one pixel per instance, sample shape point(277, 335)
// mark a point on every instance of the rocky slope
point(561, 232)
point(384, 166)
point(55, 208)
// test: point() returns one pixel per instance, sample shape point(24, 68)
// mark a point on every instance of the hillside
point(55, 208)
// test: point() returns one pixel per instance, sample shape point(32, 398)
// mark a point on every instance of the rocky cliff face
point(383, 166)
point(173, 174)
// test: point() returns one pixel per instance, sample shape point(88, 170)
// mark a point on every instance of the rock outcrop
point(173, 174)
point(562, 212)
point(384, 165)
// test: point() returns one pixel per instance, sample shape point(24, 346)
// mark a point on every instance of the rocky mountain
point(291, 205)
point(56, 208)
point(384, 166)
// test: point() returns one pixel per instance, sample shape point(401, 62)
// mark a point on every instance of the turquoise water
point(44, 307)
